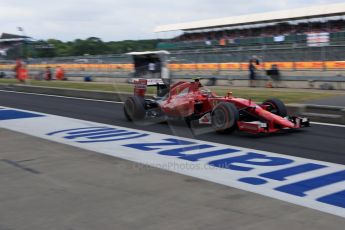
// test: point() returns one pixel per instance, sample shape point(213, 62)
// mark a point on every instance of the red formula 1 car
point(193, 102)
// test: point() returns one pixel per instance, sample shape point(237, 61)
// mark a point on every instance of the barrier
point(280, 65)
point(188, 67)
point(244, 66)
point(290, 66)
point(6, 67)
point(331, 65)
point(230, 66)
point(208, 66)
point(309, 65)
point(174, 66)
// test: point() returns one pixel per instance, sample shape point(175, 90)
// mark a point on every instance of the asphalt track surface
point(319, 142)
point(333, 101)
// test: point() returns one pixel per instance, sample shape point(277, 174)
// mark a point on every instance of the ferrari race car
point(193, 102)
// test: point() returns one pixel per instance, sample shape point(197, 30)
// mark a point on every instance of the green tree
point(94, 46)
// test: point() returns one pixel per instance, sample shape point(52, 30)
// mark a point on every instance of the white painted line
point(328, 124)
point(309, 183)
point(50, 95)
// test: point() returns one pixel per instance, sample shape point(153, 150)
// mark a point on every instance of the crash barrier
point(74, 67)
point(230, 66)
point(317, 113)
point(328, 65)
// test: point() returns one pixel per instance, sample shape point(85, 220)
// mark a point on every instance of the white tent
point(159, 52)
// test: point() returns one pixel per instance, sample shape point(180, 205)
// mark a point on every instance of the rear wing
point(141, 84)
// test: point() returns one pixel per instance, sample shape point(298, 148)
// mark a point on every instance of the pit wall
point(308, 75)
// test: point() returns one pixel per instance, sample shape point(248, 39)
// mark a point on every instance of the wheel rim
point(220, 118)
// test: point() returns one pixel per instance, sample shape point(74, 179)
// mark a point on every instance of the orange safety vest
point(60, 74)
point(22, 74)
point(17, 68)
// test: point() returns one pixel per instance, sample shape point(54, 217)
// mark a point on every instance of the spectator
point(17, 68)
point(60, 73)
point(274, 75)
point(48, 76)
point(208, 41)
point(252, 71)
point(222, 42)
point(264, 31)
point(22, 74)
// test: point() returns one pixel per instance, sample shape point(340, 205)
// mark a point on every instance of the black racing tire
point(277, 107)
point(134, 108)
point(224, 117)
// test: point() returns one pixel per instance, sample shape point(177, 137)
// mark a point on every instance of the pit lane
point(319, 142)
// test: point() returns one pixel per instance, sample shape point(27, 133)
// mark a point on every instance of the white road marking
point(266, 173)
point(50, 95)
point(328, 124)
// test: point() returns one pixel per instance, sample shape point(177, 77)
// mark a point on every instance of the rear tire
point(276, 107)
point(134, 108)
point(224, 117)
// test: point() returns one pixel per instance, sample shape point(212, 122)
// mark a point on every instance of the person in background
point(22, 74)
point(222, 42)
point(17, 68)
point(48, 75)
point(252, 73)
point(60, 73)
point(253, 62)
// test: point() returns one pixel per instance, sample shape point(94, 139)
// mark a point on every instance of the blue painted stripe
point(117, 139)
point(123, 133)
point(336, 199)
point(282, 174)
point(91, 134)
point(66, 130)
point(253, 180)
point(179, 152)
point(249, 161)
point(91, 130)
point(9, 114)
point(198, 156)
point(301, 187)
point(154, 146)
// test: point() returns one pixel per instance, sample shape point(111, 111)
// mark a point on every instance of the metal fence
point(94, 59)
point(282, 53)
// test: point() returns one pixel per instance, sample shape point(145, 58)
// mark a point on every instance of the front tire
point(224, 117)
point(276, 107)
point(134, 108)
